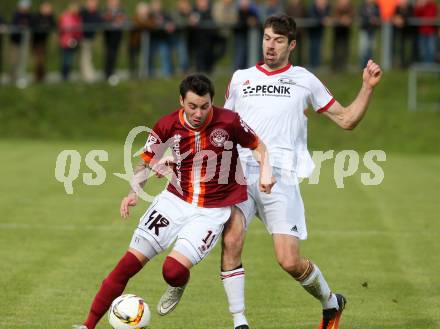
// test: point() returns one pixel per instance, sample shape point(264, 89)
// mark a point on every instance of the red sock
point(174, 273)
point(112, 287)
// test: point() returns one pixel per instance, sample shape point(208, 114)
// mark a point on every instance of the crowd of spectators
point(194, 35)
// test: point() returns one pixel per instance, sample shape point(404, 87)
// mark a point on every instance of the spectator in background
point(297, 10)
point(438, 46)
point(42, 25)
point(320, 11)
point(114, 19)
point(387, 9)
point(225, 17)
point(161, 38)
point(204, 36)
point(342, 23)
point(369, 14)
point(269, 8)
point(247, 20)
point(427, 33)
point(91, 19)
point(70, 29)
point(182, 36)
point(403, 34)
point(142, 23)
point(21, 21)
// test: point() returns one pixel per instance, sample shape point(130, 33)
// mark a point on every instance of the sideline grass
point(376, 244)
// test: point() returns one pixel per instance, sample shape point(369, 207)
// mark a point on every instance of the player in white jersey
point(272, 97)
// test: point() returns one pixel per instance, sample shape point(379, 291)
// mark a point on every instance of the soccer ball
point(129, 312)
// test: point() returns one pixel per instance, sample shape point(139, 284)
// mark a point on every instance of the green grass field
point(377, 244)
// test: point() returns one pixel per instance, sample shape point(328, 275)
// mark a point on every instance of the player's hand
point(372, 74)
point(163, 167)
point(267, 181)
point(129, 201)
point(267, 184)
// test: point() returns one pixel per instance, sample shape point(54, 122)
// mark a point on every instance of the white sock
point(233, 282)
point(316, 285)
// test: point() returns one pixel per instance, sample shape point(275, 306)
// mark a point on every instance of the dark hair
point(198, 84)
point(282, 24)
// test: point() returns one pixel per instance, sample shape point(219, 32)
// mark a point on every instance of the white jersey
point(273, 105)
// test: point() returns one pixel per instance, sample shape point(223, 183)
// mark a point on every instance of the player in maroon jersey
point(207, 181)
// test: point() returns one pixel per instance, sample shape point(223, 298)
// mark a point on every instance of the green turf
point(376, 244)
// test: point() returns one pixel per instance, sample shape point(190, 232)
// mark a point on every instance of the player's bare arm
point(140, 176)
point(163, 167)
point(349, 117)
point(267, 181)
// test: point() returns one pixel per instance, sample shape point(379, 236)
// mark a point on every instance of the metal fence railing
point(141, 60)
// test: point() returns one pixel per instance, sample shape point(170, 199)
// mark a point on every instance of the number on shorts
point(209, 239)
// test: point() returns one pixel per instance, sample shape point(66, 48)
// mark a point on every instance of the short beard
point(277, 64)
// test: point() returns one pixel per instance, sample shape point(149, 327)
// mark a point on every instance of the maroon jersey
point(207, 172)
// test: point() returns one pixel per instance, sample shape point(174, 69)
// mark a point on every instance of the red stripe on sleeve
point(325, 108)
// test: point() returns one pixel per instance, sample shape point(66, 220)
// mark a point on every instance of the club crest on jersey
point(286, 81)
point(218, 137)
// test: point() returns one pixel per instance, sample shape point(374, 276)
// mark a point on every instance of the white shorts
point(282, 211)
point(169, 218)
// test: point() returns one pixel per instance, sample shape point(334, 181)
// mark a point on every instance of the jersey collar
point(260, 67)
point(187, 126)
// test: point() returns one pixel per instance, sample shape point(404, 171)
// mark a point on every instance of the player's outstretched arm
point(267, 181)
point(349, 117)
point(140, 177)
point(163, 167)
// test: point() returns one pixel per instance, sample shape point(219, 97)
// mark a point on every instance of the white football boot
point(170, 299)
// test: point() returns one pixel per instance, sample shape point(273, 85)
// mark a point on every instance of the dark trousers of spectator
point(402, 47)
point(133, 61)
point(161, 46)
point(341, 48)
point(427, 47)
point(39, 51)
point(366, 45)
point(415, 48)
point(67, 59)
point(180, 42)
point(1, 57)
point(204, 61)
point(14, 51)
point(205, 42)
point(437, 54)
point(315, 42)
point(240, 51)
point(112, 41)
point(219, 47)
